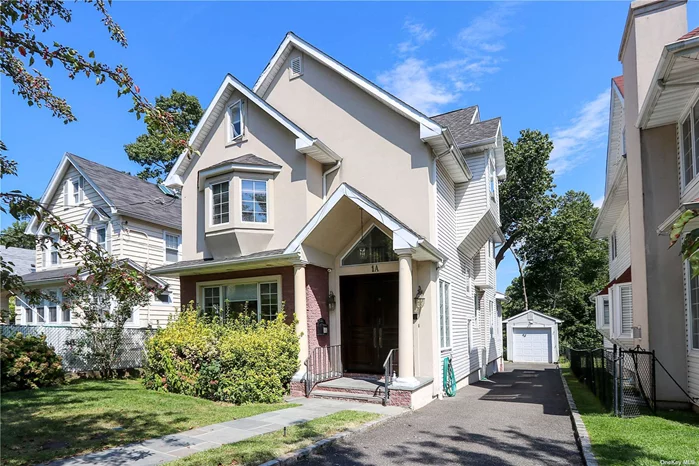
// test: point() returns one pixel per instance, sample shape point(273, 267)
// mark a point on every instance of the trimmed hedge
point(28, 362)
point(242, 361)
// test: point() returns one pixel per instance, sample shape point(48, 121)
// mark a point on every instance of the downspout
point(337, 165)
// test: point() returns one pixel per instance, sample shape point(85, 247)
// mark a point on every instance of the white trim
point(229, 121)
point(57, 179)
point(541, 314)
point(247, 280)
point(688, 113)
point(165, 248)
point(244, 222)
point(428, 127)
point(210, 213)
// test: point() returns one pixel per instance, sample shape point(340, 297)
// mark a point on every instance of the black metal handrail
point(324, 363)
point(389, 373)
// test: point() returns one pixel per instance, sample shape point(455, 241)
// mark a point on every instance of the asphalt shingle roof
point(132, 196)
point(208, 262)
point(247, 159)
point(49, 275)
point(456, 118)
point(22, 259)
point(459, 123)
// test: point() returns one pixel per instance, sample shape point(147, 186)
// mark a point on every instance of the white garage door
point(532, 344)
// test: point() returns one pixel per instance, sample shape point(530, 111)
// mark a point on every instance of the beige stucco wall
point(666, 316)
point(382, 153)
point(296, 191)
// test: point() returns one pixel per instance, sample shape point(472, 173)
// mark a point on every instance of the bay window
point(220, 205)
point(254, 201)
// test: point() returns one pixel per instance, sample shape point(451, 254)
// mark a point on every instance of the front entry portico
point(369, 306)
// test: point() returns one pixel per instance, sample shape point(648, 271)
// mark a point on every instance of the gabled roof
point(22, 259)
point(431, 132)
point(619, 82)
point(403, 236)
point(305, 143)
point(124, 194)
point(476, 133)
point(457, 118)
point(541, 314)
point(247, 162)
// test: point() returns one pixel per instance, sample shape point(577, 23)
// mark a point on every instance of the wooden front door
point(369, 306)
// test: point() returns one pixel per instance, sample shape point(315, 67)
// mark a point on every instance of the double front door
point(369, 307)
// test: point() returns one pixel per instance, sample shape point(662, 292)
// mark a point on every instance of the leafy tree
point(14, 236)
point(527, 193)
point(690, 242)
point(565, 266)
point(22, 54)
point(152, 150)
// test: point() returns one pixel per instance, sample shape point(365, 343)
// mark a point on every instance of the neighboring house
point(319, 192)
point(22, 262)
point(650, 301)
point(134, 220)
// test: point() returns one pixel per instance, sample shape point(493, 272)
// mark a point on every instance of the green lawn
point(643, 440)
point(265, 447)
point(91, 415)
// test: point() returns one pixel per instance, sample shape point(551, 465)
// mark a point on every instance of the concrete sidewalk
point(171, 447)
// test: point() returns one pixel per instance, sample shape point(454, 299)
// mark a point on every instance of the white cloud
point(410, 81)
point(584, 133)
point(431, 86)
point(598, 202)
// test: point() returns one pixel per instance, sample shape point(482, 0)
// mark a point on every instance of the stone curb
point(582, 438)
point(294, 456)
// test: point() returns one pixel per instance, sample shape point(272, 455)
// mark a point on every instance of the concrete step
point(338, 395)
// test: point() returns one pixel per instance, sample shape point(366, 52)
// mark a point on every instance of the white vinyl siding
point(455, 271)
point(622, 261)
point(626, 311)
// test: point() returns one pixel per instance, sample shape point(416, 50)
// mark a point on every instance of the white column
point(406, 372)
point(300, 310)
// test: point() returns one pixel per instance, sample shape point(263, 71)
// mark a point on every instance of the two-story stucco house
point(321, 193)
point(134, 220)
point(649, 183)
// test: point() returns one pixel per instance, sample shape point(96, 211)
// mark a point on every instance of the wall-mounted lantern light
point(321, 327)
point(331, 301)
point(419, 301)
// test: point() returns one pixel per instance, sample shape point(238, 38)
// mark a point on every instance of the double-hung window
point(54, 258)
point(254, 201)
point(28, 315)
point(172, 247)
point(444, 315)
point(102, 237)
point(220, 205)
point(613, 246)
point(78, 190)
point(605, 312)
point(52, 305)
point(235, 116)
point(690, 145)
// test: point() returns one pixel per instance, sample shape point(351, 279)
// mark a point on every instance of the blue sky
point(538, 65)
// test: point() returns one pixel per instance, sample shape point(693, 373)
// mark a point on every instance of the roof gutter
point(167, 270)
point(658, 82)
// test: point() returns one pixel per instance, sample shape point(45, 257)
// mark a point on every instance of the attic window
point(235, 118)
point(295, 68)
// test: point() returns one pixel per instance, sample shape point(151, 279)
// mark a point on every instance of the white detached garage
point(532, 337)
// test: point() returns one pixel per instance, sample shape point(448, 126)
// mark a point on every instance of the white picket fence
point(131, 354)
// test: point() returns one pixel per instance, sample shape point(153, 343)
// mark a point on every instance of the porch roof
point(274, 257)
point(403, 236)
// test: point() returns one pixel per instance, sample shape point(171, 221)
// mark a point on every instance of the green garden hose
point(449, 379)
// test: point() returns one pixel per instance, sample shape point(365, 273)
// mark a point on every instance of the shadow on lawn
point(38, 425)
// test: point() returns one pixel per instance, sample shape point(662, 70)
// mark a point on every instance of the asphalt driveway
point(519, 417)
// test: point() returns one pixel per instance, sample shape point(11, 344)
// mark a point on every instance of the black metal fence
point(623, 380)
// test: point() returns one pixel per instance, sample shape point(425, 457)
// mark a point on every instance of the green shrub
point(28, 362)
point(241, 361)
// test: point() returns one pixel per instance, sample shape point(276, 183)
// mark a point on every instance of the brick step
point(378, 391)
point(340, 395)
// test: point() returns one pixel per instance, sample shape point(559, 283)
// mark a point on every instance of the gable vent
point(296, 68)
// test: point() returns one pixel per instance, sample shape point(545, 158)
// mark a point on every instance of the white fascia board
point(183, 160)
point(609, 200)
point(372, 89)
point(541, 314)
point(92, 211)
point(402, 237)
point(56, 182)
point(238, 167)
point(662, 72)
